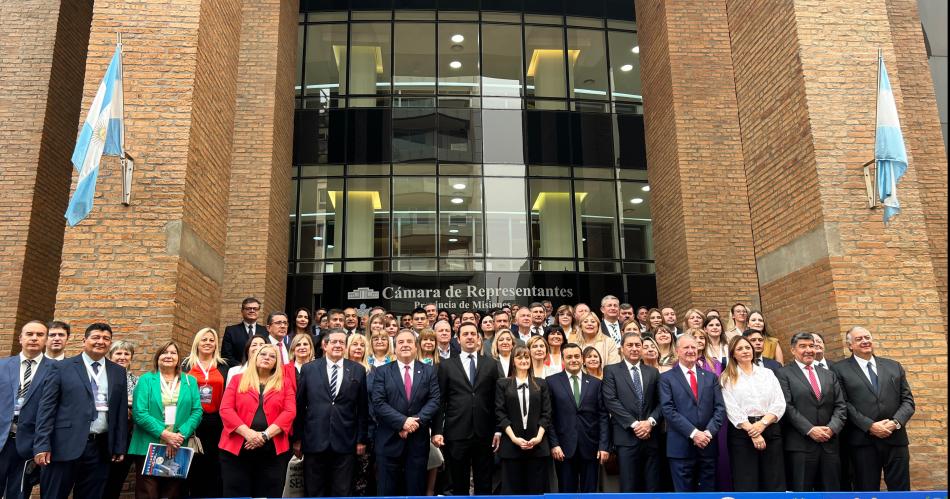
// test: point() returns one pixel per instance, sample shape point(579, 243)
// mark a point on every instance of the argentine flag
point(889, 151)
point(102, 133)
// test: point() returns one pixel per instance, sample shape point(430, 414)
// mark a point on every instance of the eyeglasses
point(252, 309)
point(280, 323)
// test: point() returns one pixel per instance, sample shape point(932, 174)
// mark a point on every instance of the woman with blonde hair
point(426, 351)
point(693, 319)
point(210, 369)
point(377, 322)
point(664, 345)
point(565, 321)
point(589, 335)
point(258, 410)
point(356, 349)
point(303, 350)
point(381, 350)
point(704, 360)
point(538, 349)
point(501, 350)
point(649, 353)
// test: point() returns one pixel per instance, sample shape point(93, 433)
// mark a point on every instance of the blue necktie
point(637, 386)
point(471, 369)
point(873, 376)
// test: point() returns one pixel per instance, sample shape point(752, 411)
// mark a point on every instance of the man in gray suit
point(880, 404)
point(815, 414)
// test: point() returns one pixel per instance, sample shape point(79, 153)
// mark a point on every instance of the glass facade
point(466, 153)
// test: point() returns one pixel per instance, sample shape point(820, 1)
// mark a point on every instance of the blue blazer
point(67, 408)
point(582, 430)
point(9, 386)
point(337, 424)
point(391, 408)
point(684, 413)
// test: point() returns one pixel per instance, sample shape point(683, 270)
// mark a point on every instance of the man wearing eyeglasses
point(237, 335)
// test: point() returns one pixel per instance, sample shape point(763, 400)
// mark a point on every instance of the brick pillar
point(154, 270)
point(43, 42)
point(257, 238)
point(805, 81)
point(703, 246)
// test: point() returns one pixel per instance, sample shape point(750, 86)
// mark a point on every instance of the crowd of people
point(518, 400)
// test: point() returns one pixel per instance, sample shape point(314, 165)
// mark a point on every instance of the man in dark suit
point(21, 386)
point(332, 415)
point(815, 412)
point(82, 422)
point(465, 423)
point(579, 426)
point(669, 320)
point(611, 323)
point(351, 321)
point(694, 410)
point(880, 404)
point(631, 394)
point(405, 398)
point(522, 329)
point(820, 360)
point(757, 339)
point(236, 335)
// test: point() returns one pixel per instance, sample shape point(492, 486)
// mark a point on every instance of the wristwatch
point(265, 436)
point(897, 423)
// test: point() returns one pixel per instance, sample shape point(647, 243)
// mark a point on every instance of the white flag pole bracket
point(128, 165)
point(869, 184)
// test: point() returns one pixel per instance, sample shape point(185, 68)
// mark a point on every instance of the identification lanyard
point(98, 387)
point(168, 392)
point(203, 370)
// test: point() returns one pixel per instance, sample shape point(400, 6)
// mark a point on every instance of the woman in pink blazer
point(258, 412)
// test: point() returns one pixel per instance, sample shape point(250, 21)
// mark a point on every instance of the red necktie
point(693, 385)
point(407, 380)
point(814, 381)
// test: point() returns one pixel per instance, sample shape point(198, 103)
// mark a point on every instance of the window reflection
point(318, 235)
point(414, 220)
point(367, 221)
point(369, 57)
point(625, 66)
point(551, 218)
point(588, 77)
point(501, 60)
point(460, 136)
point(458, 59)
point(637, 222)
point(414, 66)
point(505, 218)
point(326, 60)
point(544, 55)
point(414, 134)
point(596, 219)
point(460, 217)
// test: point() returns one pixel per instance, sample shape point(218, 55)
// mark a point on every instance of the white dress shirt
point(821, 363)
point(465, 356)
point(524, 403)
point(752, 395)
point(505, 363)
point(36, 365)
point(101, 423)
point(863, 364)
point(57, 357)
point(250, 328)
point(402, 371)
point(695, 371)
point(613, 330)
point(639, 365)
point(339, 374)
point(282, 349)
point(814, 366)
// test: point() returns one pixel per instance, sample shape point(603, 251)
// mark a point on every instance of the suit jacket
point(684, 413)
point(579, 430)
point(148, 411)
point(9, 386)
point(67, 408)
point(325, 423)
point(624, 408)
point(280, 408)
point(508, 413)
point(235, 338)
point(466, 411)
point(772, 364)
point(391, 408)
point(893, 401)
point(804, 411)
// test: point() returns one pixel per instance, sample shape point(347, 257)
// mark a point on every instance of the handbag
point(195, 444)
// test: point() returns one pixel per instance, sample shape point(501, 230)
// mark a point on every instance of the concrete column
point(362, 78)
point(154, 270)
point(825, 261)
point(553, 217)
point(360, 207)
point(44, 46)
point(260, 195)
point(550, 78)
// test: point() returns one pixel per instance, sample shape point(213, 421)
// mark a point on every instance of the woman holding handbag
point(166, 409)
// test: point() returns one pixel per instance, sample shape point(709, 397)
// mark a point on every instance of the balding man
point(880, 404)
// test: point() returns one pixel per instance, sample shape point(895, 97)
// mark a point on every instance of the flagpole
point(869, 183)
point(126, 164)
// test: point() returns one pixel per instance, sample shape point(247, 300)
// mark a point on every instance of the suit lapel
point(681, 378)
point(402, 386)
point(800, 376)
point(80, 367)
point(864, 377)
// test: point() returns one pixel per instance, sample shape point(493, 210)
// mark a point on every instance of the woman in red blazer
point(258, 412)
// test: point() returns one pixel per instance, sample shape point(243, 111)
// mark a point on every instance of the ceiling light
point(626, 67)
point(459, 186)
point(453, 240)
point(636, 49)
point(329, 246)
point(457, 48)
point(457, 38)
point(636, 200)
point(457, 200)
point(455, 64)
point(645, 188)
point(453, 231)
point(317, 238)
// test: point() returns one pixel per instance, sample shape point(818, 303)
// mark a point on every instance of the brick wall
point(257, 236)
point(43, 42)
point(700, 208)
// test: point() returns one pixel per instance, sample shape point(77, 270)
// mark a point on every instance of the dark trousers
point(757, 470)
point(639, 468)
point(526, 476)
point(204, 478)
point(576, 474)
point(472, 456)
point(328, 474)
point(693, 474)
point(153, 487)
point(813, 470)
point(84, 477)
point(867, 462)
point(11, 470)
point(118, 473)
point(402, 475)
point(254, 474)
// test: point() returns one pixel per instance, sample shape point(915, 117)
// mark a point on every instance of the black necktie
point(874, 380)
point(250, 331)
point(471, 368)
point(524, 398)
point(95, 368)
point(758, 361)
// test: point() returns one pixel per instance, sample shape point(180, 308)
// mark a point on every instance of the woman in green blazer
point(166, 408)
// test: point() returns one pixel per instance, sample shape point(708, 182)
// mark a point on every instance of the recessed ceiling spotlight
point(453, 231)
point(457, 200)
point(626, 67)
point(636, 200)
point(317, 238)
point(457, 48)
point(458, 186)
point(455, 64)
point(453, 240)
point(645, 188)
point(636, 49)
point(458, 38)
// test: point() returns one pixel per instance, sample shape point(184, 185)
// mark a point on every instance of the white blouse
point(752, 395)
